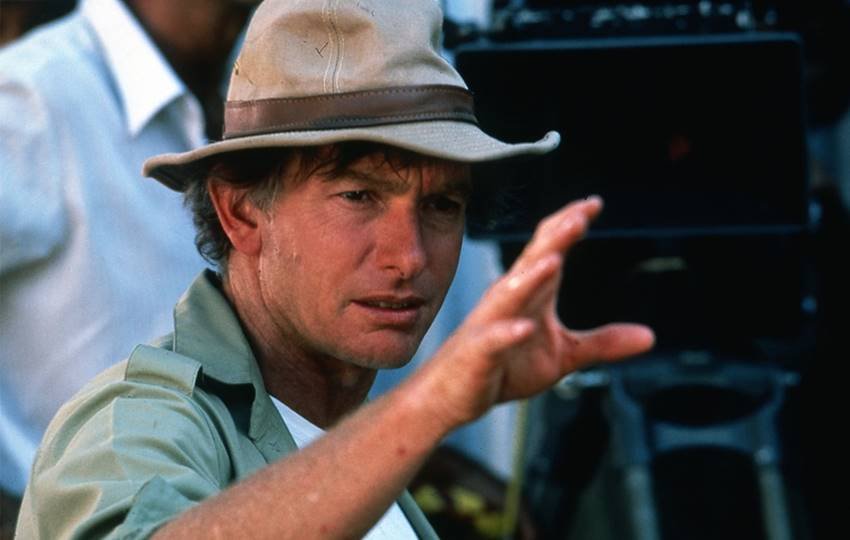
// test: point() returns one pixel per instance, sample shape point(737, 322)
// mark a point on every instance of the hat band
point(348, 109)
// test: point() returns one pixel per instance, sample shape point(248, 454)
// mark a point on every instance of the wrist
point(422, 403)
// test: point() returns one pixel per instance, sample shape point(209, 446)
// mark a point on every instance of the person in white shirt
point(92, 256)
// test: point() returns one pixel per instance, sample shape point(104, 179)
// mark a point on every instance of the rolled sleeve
point(154, 505)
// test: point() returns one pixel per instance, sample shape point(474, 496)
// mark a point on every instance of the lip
point(400, 311)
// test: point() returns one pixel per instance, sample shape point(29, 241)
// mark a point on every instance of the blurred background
point(19, 16)
point(718, 133)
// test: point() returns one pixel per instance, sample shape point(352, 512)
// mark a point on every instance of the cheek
point(445, 253)
point(329, 258)
point(281, 264)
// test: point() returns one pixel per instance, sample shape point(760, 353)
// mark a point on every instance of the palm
point(513, 345)
point(541, 362)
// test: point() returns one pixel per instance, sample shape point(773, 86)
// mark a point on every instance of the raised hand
point(513, 345)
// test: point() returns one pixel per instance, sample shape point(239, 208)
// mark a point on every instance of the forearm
point(337, 487)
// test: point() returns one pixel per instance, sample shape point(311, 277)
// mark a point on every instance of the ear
point(239, 217)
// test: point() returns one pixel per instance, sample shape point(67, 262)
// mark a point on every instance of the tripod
point(637, 438)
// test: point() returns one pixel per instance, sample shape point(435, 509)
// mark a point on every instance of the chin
point(384, 356)
point(393, 363)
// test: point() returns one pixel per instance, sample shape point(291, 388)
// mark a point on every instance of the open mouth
point(391, 312)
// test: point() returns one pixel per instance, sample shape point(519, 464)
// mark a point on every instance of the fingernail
point(514, 282)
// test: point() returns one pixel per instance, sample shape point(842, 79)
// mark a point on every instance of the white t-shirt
point(394, 525)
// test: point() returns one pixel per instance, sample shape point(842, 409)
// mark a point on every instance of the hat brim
point(455, 141)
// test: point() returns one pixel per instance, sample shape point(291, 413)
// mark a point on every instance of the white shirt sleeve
point(33, 216)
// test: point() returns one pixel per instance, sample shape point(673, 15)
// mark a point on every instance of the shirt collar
point(145, 80)
point(207, 330)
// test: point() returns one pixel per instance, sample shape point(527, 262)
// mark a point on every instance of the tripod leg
point(774, 507)
point(641, 503)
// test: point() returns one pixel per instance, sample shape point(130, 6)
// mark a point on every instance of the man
point(85, 272)
point(334, 208)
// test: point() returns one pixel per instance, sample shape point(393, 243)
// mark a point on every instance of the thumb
point(611, 342)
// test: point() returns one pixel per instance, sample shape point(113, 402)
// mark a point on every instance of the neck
point(317, 386)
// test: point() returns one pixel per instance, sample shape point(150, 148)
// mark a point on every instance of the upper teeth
point(390, 305)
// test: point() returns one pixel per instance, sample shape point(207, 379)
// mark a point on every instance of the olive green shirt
point(152, 436)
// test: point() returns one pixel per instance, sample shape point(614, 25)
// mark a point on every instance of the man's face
point(357, 266)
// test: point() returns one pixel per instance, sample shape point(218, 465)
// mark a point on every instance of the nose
point(400, 245)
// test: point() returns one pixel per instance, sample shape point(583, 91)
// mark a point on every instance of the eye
point(358, 196)
point(444, 208)
point(444, 204)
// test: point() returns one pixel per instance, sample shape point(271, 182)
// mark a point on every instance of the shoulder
point(53, 68)
point(136, 446)
point(152, 377)
point(62, 46)
point(159, 366)
point(150, 395)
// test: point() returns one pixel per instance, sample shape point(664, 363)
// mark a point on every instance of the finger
point(559, 231)
point(501, 335)
point(537, 263)
point(544, 298)
point(512, 293)
point(609, 342)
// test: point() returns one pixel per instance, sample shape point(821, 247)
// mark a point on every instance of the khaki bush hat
point(314, 72)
